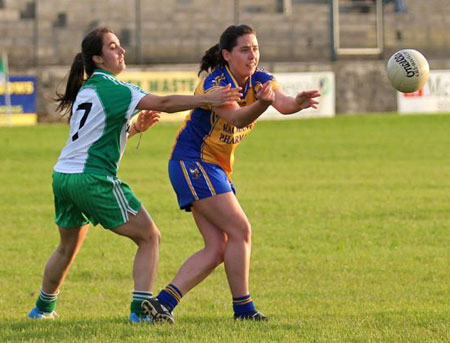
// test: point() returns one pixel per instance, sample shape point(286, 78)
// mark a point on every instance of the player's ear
point(97, 59)
point(226, 55)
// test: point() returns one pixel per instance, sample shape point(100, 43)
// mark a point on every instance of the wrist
point(265, 103)
point(136, 128)
point(205, 101)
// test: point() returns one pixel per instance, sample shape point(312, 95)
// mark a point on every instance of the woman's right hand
point(222, 96)
point(146, 120)
point(266, 95)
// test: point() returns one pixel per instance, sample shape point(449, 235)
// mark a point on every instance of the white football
point(408, 70)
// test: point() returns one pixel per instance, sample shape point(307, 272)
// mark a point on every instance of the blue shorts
point(195, 180)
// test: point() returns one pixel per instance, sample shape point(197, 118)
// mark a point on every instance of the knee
point(154, 234)
point(242, 232)
point(67, 251)
point(246, 232)
point(151, 234)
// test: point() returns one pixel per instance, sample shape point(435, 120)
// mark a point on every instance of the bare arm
point(243, 116)
point(287, 104)
point(174, 103)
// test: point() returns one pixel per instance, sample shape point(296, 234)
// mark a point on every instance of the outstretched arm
point(243, 116)
point(174, 103)
point(287, 104)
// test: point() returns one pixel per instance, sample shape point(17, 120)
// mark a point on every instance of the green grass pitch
point(351, 236)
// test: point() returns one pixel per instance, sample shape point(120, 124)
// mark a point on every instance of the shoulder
point(216, 78)
point(105, 83)
point(133, 88)
point(87, 91)
point(262, 75)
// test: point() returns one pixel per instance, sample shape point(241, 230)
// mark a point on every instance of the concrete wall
point(179, 31)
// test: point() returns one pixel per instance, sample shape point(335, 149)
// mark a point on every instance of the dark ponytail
point(212, 59)
point(82, 64)
point(228, 40)
point(74, 83)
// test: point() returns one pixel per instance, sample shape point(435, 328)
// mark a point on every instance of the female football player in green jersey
point(201, 165)
point(85, 184)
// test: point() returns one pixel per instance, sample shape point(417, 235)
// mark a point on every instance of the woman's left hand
point(146, 119)
point(306, 99)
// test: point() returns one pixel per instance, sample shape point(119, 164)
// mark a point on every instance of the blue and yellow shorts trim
point(193, 180)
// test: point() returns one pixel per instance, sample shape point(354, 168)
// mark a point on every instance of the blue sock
point(243, 305)
point(170, 297)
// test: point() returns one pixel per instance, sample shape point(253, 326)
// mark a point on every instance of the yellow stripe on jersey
point(236, 84)
point(188, 180)
point(208, 181)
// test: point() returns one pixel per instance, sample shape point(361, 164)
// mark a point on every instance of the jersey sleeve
point(208, 84)
point(275, 84)
point(214, 80)
point(136, 95)
point(261, 76)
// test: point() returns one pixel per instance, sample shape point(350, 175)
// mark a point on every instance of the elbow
point(157, 103)
point(164, 106)
point(285, 111)
point(240, 124)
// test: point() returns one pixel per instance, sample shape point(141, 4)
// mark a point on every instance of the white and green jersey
point(99, 125)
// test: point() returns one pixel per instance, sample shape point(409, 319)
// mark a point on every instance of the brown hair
point(228, 40)
point(82, 63)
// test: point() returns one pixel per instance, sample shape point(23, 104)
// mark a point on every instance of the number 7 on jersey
point(86, 107)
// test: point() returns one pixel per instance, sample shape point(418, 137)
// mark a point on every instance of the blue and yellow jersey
point(207, 137)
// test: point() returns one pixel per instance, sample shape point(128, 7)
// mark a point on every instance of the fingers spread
point(312, 94)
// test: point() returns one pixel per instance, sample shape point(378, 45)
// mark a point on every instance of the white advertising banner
point(174, 82)
point(292, 83)
point(434, 97)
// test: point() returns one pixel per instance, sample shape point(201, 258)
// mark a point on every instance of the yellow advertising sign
point(164, 83)
point(17, 119)
point(18, 101)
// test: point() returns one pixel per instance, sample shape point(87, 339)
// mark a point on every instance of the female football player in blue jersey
point(85, 186)
point(201, 165)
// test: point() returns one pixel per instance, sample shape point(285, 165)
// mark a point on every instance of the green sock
point(46, 302)
point(138, 298)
